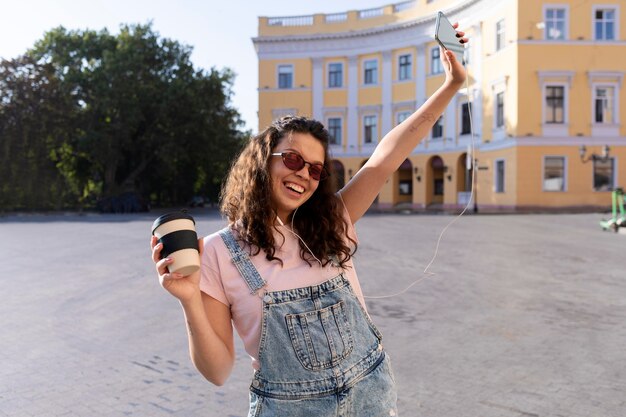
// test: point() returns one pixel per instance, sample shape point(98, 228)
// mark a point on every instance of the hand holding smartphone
point(445, 34)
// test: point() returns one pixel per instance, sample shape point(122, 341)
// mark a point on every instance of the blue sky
point(219, 31)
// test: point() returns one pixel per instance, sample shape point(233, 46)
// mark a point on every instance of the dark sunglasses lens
point(293, 161)
point(315, 171)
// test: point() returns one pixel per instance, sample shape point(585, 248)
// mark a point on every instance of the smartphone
point(445, 34)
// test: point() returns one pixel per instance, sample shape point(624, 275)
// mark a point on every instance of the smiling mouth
point(294, 187)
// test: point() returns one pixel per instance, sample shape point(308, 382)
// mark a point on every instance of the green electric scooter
point(615, 222)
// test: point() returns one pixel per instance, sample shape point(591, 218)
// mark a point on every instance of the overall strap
point(242, 261)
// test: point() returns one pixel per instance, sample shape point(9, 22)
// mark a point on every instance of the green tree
point(144, 119)
point(35, 120)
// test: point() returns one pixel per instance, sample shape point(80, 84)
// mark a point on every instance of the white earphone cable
point(297, 235)
point(426, 273)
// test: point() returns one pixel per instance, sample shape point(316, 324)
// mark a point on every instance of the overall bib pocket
point(320, 338)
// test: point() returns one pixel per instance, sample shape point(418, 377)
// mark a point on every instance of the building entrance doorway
point(436, 170)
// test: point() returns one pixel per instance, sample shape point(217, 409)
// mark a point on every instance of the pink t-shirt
point(221, 280)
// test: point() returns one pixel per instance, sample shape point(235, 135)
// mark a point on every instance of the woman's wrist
point(191, 301)
point(453, 84)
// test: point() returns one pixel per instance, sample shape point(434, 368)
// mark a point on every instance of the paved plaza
point(523, 316)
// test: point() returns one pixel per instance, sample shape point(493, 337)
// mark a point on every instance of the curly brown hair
point(246, 199)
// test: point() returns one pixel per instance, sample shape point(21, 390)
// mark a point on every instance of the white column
point(387, 96)
point(420, 82)
point(353, 103)
point(420, 75)
point(317, 89)
point(449, 123)
point(476, 66)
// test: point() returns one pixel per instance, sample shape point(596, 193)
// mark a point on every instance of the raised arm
point(396, 146)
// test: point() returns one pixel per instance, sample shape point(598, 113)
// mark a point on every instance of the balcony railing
point(370, 13)
point(400, 7)
point(290, 21)
point(339, 17)
point(336, 17)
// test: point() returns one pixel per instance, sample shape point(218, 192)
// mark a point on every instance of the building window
point(466, 123)
point(404, 67)
point(604, 105)
point(555, 104)
point(499, 176)
point(556, 24)
point(334, 129)
point(500, 110)
point(335, 74)
point(603, 174)
point(285, 76)
point(437, 131)
point(405, 187)
point(402, 116)
point(370, 72)
point(604, 24)
point(500, 35)
point(438, 186)
point(554, 173)
point(435, 61)
point(369, 129)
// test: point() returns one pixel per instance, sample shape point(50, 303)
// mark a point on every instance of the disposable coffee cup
point(177, 232)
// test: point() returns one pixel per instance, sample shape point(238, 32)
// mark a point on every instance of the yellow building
point(545, 94)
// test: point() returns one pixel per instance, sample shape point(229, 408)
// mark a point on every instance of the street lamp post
point(475, 180)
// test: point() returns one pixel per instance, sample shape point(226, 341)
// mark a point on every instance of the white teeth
point(295, 187)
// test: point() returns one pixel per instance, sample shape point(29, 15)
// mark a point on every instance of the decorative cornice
point(566, 75)
point(277, 113)
point(499, 82)
point(430, 19)
point(543, 141)
point(571, 42)
point(343, 35)
point(404, 104)
point(340, 109)
point(375, 108)
point(281, 90)
point(617, 76)
point(415, 32)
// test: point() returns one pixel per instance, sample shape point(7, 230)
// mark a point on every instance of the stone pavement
point(524, 316)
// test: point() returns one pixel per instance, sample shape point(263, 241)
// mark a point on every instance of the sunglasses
point(295, 162)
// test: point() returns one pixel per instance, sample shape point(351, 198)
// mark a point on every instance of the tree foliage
point(100, 115)
point(34, 119)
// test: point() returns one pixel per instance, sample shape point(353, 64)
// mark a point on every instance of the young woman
point(282, 272)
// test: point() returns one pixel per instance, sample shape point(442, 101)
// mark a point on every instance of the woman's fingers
point(164, 273)
point(172, 277)
point(460, 34)
point(161, 265)
point(156, 252)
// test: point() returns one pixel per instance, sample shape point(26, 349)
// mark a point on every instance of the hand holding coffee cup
point(177, 233)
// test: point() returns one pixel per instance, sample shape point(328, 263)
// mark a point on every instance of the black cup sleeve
point(175, 241)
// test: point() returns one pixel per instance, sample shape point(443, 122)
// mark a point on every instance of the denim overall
point(319, 352)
